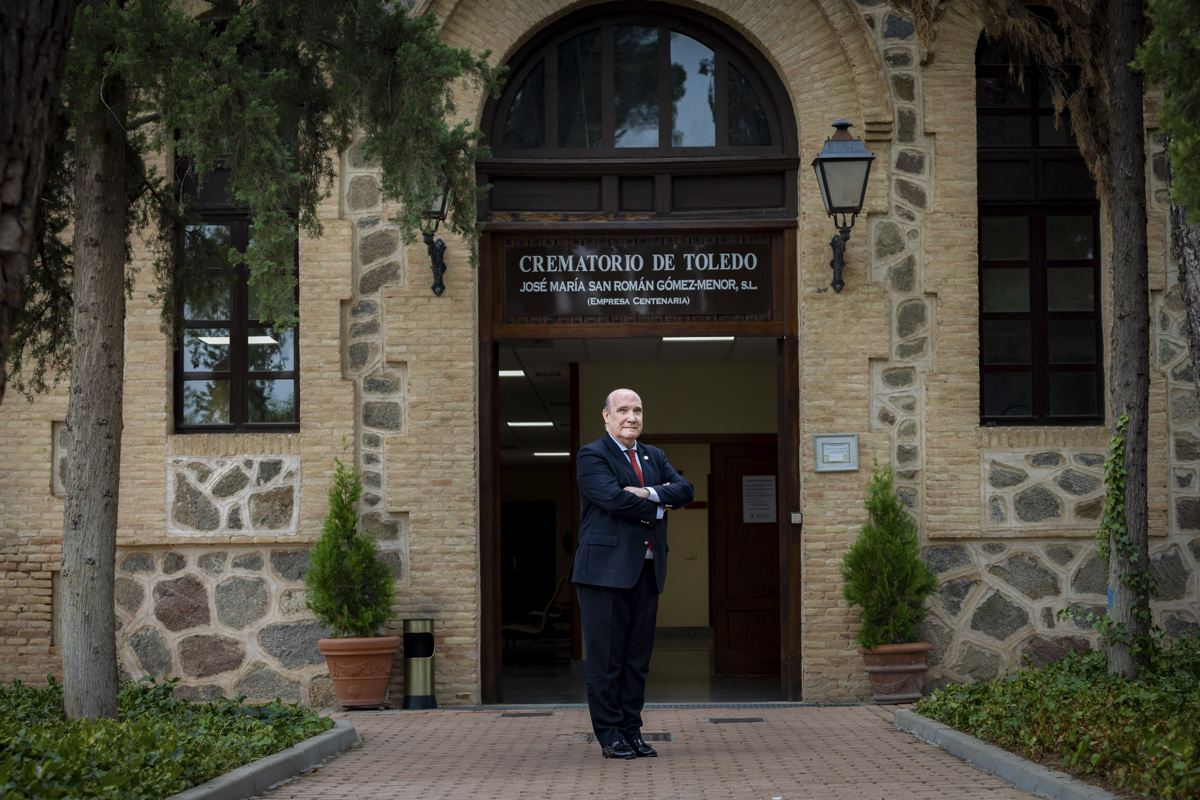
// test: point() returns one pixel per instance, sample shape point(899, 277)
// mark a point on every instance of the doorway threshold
point(651, 706)
point(681, 676)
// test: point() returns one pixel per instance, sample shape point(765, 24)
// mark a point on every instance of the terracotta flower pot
point(360, 668)
point(896, 671)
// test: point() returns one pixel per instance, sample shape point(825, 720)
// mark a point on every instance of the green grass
point(158, 746)
point(1142, 736)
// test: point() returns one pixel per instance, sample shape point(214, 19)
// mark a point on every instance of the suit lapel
point(622, 461)
point(649, 468)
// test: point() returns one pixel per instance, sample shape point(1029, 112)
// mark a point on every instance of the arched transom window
point(636, 109)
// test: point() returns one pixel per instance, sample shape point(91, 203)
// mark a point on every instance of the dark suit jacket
point(615, 525)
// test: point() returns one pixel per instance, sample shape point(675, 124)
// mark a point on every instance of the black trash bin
point(418, 664)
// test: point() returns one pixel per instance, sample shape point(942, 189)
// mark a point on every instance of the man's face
point(623, 417)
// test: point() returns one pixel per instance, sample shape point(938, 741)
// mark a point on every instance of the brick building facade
point(214, 527)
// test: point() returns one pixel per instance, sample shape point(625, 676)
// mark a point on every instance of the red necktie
point(633, 461)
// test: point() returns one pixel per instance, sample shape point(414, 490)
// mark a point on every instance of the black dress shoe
point(618, 749)
point(641, 749)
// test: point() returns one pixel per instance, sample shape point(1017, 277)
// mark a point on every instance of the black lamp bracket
point(437, 259)
point(844, 220)
point(838, 244)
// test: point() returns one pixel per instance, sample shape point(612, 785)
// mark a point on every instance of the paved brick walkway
point(807, 752)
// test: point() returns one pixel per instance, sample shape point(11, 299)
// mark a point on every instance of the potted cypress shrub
point(350, 591)
point(884, 575)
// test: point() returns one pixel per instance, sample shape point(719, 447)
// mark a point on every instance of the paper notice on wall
point(836, 452)
point(758, 498)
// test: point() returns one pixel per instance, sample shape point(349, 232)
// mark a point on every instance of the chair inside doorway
point(541, 626)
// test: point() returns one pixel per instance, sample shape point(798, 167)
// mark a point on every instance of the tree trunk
point(1130, 345)
point(33, 55)
point(1185, 243)
point(94, 419)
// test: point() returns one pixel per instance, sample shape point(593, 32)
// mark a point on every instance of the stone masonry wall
point(1031, 490)
point(30, 536)
point(380, 385)
point(181, 497)
point(999, 601)
point(865, 351)
point(251, 494)
point(411, 358)
point(227, 621)
point(214, 529)
point(1008, 515)
point(1172, 362)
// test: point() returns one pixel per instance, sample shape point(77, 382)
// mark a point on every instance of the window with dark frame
point(637, 81)
point(628, 110)
point(233, 372)
point(1040, 324)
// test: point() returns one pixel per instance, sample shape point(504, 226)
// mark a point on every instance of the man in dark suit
point(620, 568)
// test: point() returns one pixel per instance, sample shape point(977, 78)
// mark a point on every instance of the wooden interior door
point(745, 559)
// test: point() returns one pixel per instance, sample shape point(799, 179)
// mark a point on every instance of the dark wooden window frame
point(544, 51)
point(214, 211)
point(679, 183)
point(1037, 183)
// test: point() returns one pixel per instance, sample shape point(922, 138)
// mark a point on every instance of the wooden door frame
point(491, 642)
point(791, 667)
point(787, 386)
point(787, 428)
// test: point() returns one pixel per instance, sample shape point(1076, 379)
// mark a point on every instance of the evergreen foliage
point(348, 588)
point(273, 91)
point(1140, 735)
point(882, 572)
point(40, 348)
point(1171, 57)
point(159, 745)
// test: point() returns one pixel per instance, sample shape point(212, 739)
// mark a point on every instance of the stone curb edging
point(1020, 772)
point(258, 776)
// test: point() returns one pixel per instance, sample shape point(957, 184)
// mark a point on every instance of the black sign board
point(679, 276)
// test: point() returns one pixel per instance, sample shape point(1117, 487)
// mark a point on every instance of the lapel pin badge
point(645, 458)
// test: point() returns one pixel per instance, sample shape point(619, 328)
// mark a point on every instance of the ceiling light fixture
point(698, 338)
point(530, 424)
point(512, 373)
point(552, 455)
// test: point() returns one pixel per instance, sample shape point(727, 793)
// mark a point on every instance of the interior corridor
point(539, 672)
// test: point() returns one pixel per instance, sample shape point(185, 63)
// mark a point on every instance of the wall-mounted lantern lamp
point(842, 171)
point(436, 247)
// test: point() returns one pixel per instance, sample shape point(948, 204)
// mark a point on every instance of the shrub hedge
point(159, 745)
point(1142, 735)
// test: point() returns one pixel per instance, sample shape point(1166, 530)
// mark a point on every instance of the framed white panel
point(836, 452)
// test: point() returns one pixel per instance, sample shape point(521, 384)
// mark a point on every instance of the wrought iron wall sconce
point(842, 170)
point(436, 247)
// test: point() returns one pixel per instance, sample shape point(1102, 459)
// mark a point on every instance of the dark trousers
point(618, 635)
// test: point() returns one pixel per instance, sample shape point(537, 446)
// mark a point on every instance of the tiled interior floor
point(540, 672)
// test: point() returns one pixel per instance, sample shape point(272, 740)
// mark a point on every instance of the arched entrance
point(644, 178)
